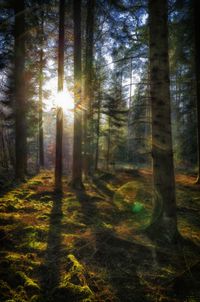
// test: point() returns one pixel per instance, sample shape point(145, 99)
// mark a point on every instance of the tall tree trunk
point(88, 89)
point(164, 221)
point(41, 62)
point(59, 116)
point(20, 102)
point(129, 114)
point(41, 141)
point(77, 146)
point(108, 145)
point(98, 128)
point(197, 71)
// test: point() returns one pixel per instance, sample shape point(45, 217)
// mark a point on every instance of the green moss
point(74, 281)
point(13, 257)
point(35, 298)
point(73, 292)
point(107, 226)
point(35, 182)
point(26, 230)
point(5, 290)
point(31, 238)
point(44, 216)
point(28, 282)
point(119, 201)
point(76, 265)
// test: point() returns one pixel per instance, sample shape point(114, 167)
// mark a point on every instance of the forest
point(99, 150)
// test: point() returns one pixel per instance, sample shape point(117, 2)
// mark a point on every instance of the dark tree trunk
point(197, 71)
point(59, 136)
point(164, 221)
point(98, 128)
point(77, 146)
point(108, 145)
point(41, 63)
point(41, 140)
point(20, 102)
point(88, 89)
point(59, 116)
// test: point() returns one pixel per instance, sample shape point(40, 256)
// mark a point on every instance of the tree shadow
point(182, 257)
point(100, 187)
point(187, 284)
point(125, 262)
point(50, 270)
point(12, 187)
point(111, 253)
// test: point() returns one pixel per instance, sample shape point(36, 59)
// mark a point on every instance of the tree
point(139, 123)
point(99, 100)
point(182, 84)
point(59, 116)
point(19, 80)
point(88, 88)
point(164, 220)
point(41, 59)
point(77, 146)
point(197, 73)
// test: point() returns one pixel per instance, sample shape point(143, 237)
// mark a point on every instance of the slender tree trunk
point(41, 62)
point(164, 221)
point(197, 71)
point(59, 116)
point(88, 89)
point(59, 137)
point(77, 146)
point(20, 102)
point(98, 128)
point(41, 141)
point(129, 115)
point(108, 145)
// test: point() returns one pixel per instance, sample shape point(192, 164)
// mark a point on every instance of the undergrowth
point(89, 246)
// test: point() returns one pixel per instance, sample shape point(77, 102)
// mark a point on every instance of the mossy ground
point(89, 246)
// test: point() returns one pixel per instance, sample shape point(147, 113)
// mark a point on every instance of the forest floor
point(89, 246)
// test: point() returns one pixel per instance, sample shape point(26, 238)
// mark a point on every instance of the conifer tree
point(164, 221)
point(19, 80)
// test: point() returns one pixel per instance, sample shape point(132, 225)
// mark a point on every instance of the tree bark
point(59, 137)
point(20, 102)
point(77, 144)
point(88, 89)
point(98, 128)
point(108, 145)
point(40, 113)
point(41, 140)
point(196, 8)
point(164, 221)
point(59, 116)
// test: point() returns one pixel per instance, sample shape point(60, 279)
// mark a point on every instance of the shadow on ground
point(114, 255)
point(81, 246)
point(50, 270)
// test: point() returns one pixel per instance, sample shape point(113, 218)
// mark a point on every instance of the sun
point(61, 99)
point(64, 100)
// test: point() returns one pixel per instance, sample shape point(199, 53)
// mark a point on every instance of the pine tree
point(59, 116)
point(41, 84)
point(77, 146)
point(20, 101)
point(88, 88)
point(164, 221)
